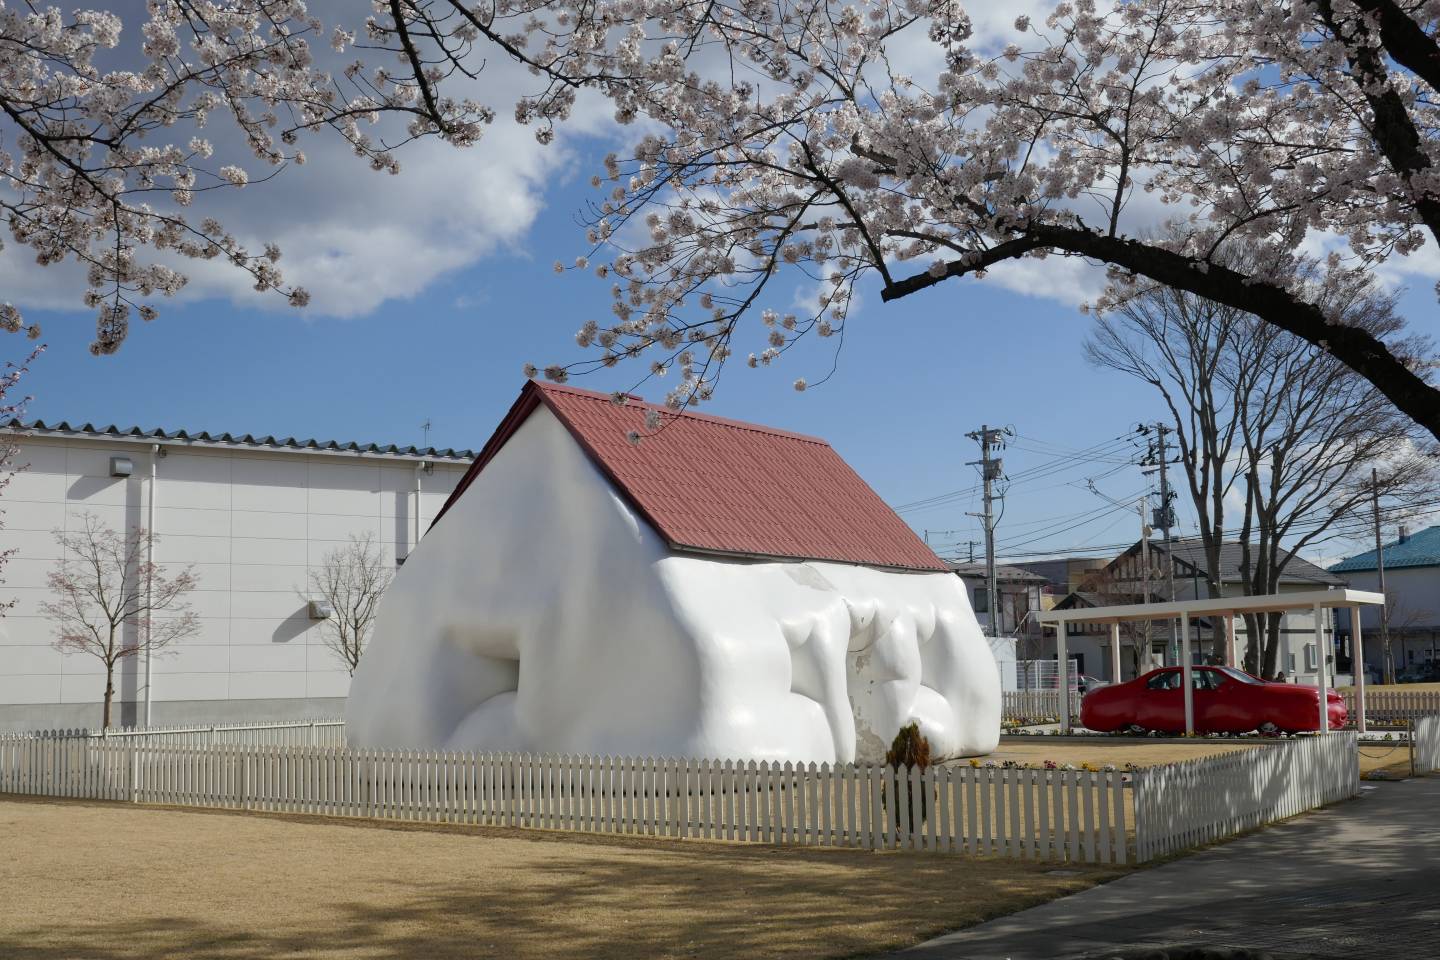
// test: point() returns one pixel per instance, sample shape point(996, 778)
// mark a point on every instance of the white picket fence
point(1427, 744)
point(1064, 815)
point(1088, 816)
point(1392, 705)
point(1036, 704)
point(1180, 805)
point(326, 732)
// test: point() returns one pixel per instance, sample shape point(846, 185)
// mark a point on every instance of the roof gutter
point(773, 558)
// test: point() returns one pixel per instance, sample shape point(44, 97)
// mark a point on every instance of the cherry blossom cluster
point(102, 164)
point(774, 139)
point(789, 139)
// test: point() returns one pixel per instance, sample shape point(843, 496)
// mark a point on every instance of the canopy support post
point(1357, 667)
point(1186, 673)
point(1116, 675)
point(1062, 676)
point(1320, 683)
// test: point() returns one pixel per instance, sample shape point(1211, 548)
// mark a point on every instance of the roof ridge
point(686, 414)
point(709, 485)
point(243, 440)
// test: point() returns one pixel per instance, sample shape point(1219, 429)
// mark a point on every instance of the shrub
point(910, 748)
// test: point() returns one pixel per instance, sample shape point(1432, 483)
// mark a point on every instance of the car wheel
point(1268, 729)
point(1136, 729)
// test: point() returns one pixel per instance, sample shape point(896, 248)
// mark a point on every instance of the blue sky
point(913, 377)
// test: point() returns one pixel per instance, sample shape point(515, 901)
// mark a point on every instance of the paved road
point(1361, 879)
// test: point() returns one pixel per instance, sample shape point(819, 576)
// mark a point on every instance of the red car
point(1226, 701)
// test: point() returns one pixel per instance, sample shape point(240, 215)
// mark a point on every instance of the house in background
point(253, 514)
point(707, 588)
point(1126, 579)
point(1017, 589)
point(1063, 575)
point(1088, 644)
point(1412, 594)
point(1016, 636)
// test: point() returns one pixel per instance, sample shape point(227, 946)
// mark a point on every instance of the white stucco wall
point(251, 521)
point(542, 614)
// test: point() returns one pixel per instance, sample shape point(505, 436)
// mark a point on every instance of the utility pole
point(1380, 571)
point(1165, 519)
point(1158, 455)
point(991, 469)
point(1148, 657)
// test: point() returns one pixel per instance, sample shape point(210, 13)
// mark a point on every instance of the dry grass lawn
point(1139, 751)
point(1395, 688)
point(104, 882)
point(1393, 758)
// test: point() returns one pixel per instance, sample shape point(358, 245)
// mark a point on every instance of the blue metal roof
point(1418, 550)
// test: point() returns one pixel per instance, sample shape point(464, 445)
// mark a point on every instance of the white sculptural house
point(719, 589)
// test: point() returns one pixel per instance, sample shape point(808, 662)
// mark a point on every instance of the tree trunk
point(1252, 645)
point(1272, 643)
point(109, 693)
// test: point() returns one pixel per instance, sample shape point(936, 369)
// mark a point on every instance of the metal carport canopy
point(1229, 608)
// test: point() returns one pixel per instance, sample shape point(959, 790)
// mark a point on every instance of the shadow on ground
point(632, 900)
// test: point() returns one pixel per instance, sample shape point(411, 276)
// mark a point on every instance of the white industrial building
point(252, 514)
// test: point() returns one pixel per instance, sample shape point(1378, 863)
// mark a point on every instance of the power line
point(1059, 463)
point(1358, 526)
point(1098, 514)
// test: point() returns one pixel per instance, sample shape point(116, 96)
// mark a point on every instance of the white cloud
point(356, 238)
point(1069, 280)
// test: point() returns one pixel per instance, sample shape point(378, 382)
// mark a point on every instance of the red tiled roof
point(721, 486)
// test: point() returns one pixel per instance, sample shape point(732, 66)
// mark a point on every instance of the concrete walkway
point(1360, 879)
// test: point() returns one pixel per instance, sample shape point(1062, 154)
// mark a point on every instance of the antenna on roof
point(426, 428)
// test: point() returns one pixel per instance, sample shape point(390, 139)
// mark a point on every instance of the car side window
point(1164, 681)
point(1205, 679)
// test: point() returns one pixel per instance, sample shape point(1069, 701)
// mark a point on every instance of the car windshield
point(1240, 675)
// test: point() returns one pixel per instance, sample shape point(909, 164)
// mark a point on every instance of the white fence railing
point(1065, 815)
point(1426, 732)
point(1044, 674)
point(1387, 705)
point(1183, 804)
point(328, 732)
point(1019, 705)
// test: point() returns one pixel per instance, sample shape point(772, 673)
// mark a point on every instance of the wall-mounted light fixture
point(321, 610)
point(121, 466)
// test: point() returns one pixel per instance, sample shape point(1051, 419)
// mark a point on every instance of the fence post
point(134, 790)
point(1138, 797)
point(245, 780)
point(1411, 724)
point(312, 733)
